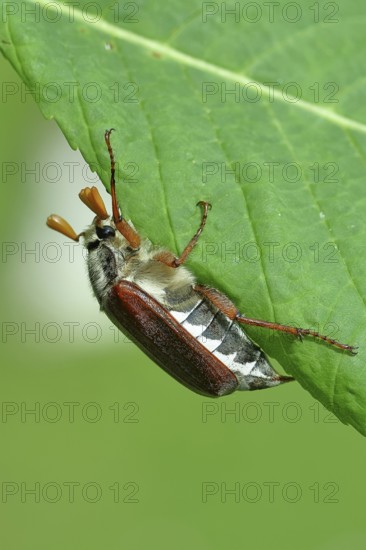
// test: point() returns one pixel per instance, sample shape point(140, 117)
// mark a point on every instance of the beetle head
point(93, 200)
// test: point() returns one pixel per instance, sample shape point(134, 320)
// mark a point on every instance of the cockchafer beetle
point(190, 330)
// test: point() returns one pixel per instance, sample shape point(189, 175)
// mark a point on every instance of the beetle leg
point(121, 224)
point(228, 308)
point(168, 258)
point(219, 300)
point(299, 332)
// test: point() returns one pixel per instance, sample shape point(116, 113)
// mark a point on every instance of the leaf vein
point(210, 68)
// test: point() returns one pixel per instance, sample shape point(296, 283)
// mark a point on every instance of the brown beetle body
point(190, 330)
point(164, 340)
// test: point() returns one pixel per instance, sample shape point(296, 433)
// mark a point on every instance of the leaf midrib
point(195, 63)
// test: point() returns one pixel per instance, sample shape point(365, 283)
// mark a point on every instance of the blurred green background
point(115, 453)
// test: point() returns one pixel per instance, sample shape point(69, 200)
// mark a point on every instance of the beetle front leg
point(169, 259)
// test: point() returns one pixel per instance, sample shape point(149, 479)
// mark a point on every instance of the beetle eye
point(105, 232)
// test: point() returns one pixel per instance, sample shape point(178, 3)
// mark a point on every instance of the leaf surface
point(263, 118)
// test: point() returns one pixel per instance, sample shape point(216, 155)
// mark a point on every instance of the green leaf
point(206, 107)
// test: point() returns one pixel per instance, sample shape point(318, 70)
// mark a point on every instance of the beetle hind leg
point(298, 332)
point(225, 305)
